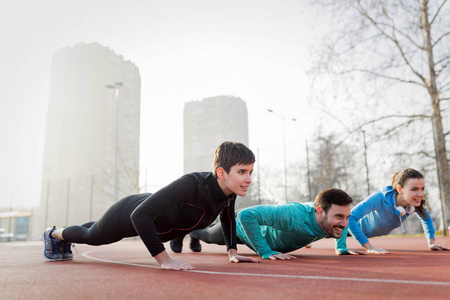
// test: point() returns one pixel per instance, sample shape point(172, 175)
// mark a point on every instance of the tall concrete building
point(91, 151)
point(207, 124)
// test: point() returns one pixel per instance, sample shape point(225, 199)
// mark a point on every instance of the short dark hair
point(229, 154)
point(331, 196)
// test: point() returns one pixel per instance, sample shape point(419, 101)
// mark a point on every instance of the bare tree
point(397, 42)
point(334, 164)
point(128, 176)
point(268, 184)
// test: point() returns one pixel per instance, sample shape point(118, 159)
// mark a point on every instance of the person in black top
point(191, 202)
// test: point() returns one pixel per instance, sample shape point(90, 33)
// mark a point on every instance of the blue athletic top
point(375, 216)
point(273, 229)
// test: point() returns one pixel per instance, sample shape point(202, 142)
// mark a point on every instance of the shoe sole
point(46, 258)
point(196, 248)
point(67, 258)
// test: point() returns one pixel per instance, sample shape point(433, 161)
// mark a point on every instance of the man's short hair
point(229, 154)
point(331, 196)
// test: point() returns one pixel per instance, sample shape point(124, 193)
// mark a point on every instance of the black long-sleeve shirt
point(191, 202)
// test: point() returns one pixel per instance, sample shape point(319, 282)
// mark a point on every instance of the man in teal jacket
point(273, 230)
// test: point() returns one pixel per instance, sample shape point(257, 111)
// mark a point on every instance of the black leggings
point(211, 234)
point(113, 226)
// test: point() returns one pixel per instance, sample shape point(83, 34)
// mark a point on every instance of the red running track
point(125, 270)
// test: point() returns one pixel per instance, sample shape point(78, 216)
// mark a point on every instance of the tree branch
point(437, 12)
point(358, 42)
point(336, 118)
point(395, 29)
point(382, 76)
point(444, 66)
point(443, 86)
point(365, 14)
point(443, 59)
point(388, 133)
point(440, 38)
point(423, 153)
point(359, 128)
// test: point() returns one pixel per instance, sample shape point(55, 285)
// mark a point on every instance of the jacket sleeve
point(228, 222)
point(359, 211)
point(252, 219)
point(143, 217)
point(341, 243)
point(427, 225)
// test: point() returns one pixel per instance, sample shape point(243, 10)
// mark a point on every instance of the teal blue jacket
point(273, 229)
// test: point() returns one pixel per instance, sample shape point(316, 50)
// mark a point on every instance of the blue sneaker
point(51, 246)
point(65, 250)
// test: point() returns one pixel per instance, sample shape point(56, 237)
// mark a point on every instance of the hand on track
point(377, 251)
point(171, 264)
point(351, 252)
point(240, 258)
point(437, 247)
point(281, 256)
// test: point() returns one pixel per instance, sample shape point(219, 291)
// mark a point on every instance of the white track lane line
point(86, 254)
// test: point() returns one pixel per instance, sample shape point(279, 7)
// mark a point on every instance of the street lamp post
point(116, 86)
point(284, 151)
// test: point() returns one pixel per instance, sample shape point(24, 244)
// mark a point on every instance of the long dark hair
point(400, 178)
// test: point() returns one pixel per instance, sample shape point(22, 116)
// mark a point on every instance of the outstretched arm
point(372, 250)
point(228, 222)
point(143, 219)
point(341, 245)
point(362, 209)
point(350, 252)
point(281, 256)
point(236, 258)
point(251, 219)
point(436, 247)
point(168, 263)
point(428, 229)
point(252, 223)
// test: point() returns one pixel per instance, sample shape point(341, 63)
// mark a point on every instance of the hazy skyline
point(185, 51)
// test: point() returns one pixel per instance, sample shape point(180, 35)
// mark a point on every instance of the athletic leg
point(113, 226)
point(211, 234)
point(176, 244)
point(88, 224)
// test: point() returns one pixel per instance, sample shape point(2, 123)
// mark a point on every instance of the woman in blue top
point(387, 209)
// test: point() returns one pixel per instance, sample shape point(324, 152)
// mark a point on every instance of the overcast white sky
point(185, 50)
